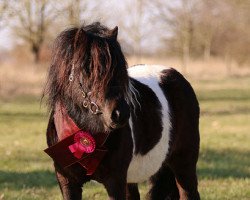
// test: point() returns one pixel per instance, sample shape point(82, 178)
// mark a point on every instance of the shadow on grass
point(20, 180)
point(233, 111)
point(22, 99)
point(22, 116)
point(222, 98)
point(224, 95)
point(224, 164)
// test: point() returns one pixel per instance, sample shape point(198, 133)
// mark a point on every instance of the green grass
point(224, 162)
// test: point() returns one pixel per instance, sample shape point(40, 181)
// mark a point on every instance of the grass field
point(224, 163)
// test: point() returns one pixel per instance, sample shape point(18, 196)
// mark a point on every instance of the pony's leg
point(116, 188)
point(132, 192)
point(163, 185)
point(70, 190)
point(186, 181)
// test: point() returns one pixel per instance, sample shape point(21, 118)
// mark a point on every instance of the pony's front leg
point(71, 190)
point(132, 192)
point(116, 188)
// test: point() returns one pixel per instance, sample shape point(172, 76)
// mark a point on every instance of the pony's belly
point(142, 167)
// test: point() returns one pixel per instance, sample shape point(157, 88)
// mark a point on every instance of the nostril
point(120, 114)
point(116, 116)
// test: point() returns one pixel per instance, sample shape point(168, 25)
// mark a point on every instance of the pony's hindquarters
point(184, 142)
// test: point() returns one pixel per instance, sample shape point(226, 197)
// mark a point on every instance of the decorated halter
point(87, 102)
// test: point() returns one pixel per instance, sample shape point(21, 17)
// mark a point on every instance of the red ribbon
point(84, 143)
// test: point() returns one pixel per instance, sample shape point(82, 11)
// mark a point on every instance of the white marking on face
point(142, 167)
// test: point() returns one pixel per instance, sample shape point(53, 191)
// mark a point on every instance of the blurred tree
point(137, 27)
point(205, 28)
point(185, 28)
point(179, 18)
point(207, 24)
point(37, 22)
point(132, 33)
point(4, 7)
point(32, 20)
point(137, 34)
point(76, 12)
point(232, 40)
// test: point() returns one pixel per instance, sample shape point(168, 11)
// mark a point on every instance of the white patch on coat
point(142, 167)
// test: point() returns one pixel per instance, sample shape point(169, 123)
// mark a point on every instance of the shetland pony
point(150, 113)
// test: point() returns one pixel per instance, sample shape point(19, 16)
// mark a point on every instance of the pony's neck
point(83, 118)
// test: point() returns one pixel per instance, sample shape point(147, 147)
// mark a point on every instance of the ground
point(26, 172)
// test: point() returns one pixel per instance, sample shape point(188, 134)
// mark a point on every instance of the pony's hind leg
point(132, 192)
point(163, 185)
point(186, 181)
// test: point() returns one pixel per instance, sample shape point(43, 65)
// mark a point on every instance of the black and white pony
point(150, 113)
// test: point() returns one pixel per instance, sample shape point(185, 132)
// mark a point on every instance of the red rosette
point(84, 143)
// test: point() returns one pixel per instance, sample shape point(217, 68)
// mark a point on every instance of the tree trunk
point(207, 51)
point(36, 52)
point(137, 48)
point(185, 57)
point(74, 12)
point(228, 61)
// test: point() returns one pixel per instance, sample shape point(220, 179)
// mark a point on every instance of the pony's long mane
point(95, 54)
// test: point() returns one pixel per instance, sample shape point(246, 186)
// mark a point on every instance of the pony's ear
point(114, 33)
